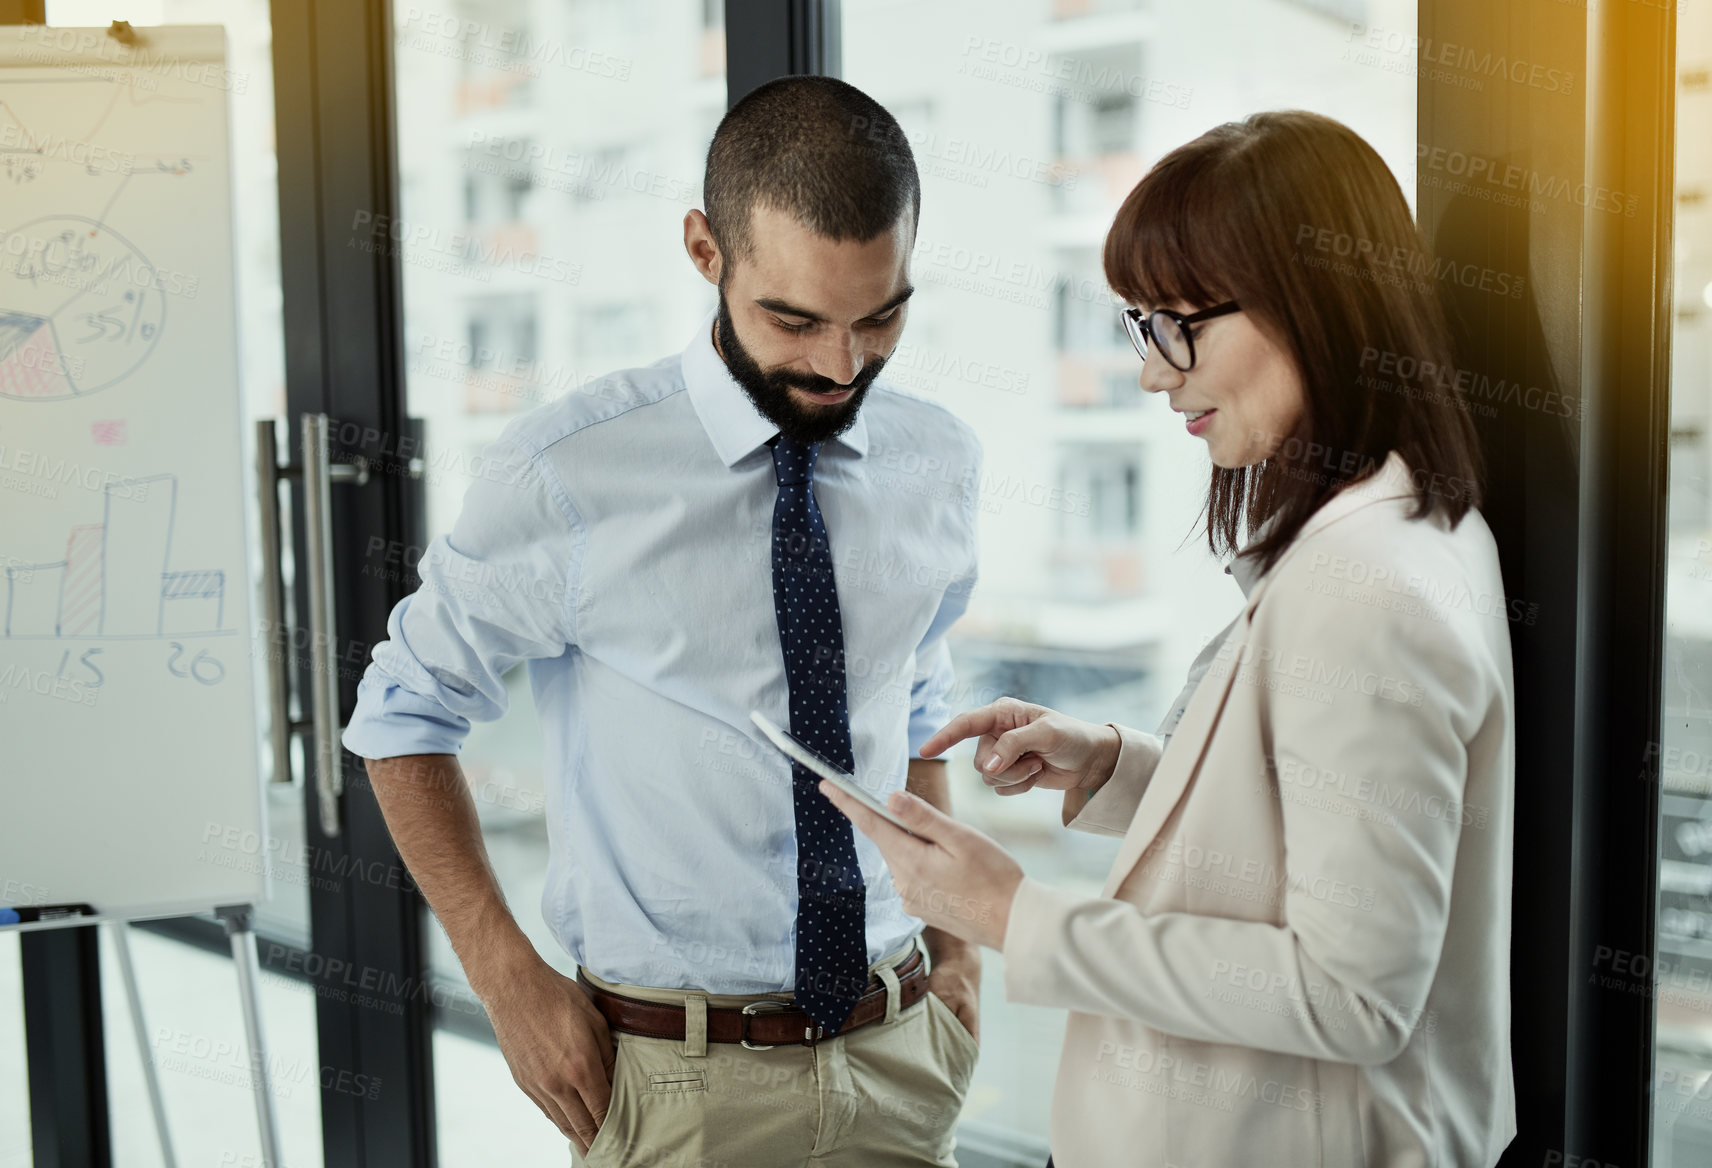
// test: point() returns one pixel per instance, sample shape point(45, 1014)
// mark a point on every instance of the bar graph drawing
point(117, 577)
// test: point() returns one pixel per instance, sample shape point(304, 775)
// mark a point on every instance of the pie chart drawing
point(80, 309)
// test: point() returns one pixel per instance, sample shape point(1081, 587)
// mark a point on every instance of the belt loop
point(695, 1025)
point(893, 993)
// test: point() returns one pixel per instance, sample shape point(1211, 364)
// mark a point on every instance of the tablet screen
point(798, 751)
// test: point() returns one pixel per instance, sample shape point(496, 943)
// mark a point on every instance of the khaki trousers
point(887, 1094)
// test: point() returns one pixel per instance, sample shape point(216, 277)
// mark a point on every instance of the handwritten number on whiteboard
point(84, 661)
point(216, 672)
point(102, 326)
point(203, 667)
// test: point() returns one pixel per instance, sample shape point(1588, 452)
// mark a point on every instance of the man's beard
point(770, 389)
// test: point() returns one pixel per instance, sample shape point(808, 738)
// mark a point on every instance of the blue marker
point(43, 912)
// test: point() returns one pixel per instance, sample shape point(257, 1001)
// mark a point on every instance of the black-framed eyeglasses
point(1170, 331)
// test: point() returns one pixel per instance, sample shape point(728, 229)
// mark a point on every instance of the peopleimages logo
point(1408, 261)
point(1469, 384)
point(1477, 171)
point(1430, 51)
point(88, 155)
point(456, 35)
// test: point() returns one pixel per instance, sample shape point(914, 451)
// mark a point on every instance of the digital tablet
point(796, 750)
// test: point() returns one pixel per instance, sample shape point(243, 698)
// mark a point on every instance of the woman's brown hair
point(1294, 216)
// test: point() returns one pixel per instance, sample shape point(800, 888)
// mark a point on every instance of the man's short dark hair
point(815, 148)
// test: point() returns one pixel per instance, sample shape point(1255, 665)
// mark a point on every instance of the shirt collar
point(1245, 568)
point(1390, 480)
point(733, 424)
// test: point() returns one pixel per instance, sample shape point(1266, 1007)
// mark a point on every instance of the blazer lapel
point(1183, 754)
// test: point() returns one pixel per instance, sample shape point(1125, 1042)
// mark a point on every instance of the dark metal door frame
point(765, 39)
point(333, 94)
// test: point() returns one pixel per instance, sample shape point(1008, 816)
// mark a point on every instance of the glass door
point(547, 153)
point(1682, 1082)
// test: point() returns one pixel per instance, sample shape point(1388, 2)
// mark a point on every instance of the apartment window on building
point(1095, 106)
point(499, 355)
point(595, 165)
point(1111, 123)
point(516, 188)
point(1098, 553)
point(614, 335)
point(502, 332)
point(1084, 314)
point(1102, 495)
point(497, 180)
point(712, 46)
point(1097, 364)
point(1121, 389)
point(495, 48)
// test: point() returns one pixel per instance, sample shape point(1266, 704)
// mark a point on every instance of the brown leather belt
point(761, 1024)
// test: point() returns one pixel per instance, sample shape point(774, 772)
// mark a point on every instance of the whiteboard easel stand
point(238, 918)
point(121, 933)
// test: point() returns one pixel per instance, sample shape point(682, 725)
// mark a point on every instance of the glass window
point(1682, 1089)
point(562, 142)
point(1030, 122)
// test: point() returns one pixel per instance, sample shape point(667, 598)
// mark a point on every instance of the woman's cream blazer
point(1301, 956)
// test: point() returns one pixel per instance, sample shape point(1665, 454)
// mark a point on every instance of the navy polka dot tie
point(832, 949)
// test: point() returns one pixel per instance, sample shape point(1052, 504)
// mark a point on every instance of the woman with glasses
point(1300, 956)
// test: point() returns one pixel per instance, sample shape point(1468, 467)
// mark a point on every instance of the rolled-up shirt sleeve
point(496, 591)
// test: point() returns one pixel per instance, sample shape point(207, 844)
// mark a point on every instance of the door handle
point(268, 476)
point(323, 620)
point(317, 473)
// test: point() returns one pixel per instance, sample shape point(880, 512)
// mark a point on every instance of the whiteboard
point(130, 772)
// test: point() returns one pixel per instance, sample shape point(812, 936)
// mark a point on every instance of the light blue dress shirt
point(619, 540)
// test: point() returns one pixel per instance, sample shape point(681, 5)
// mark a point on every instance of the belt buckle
point(752, 1009)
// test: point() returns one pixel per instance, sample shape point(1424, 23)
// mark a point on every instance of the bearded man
point(757, 523)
